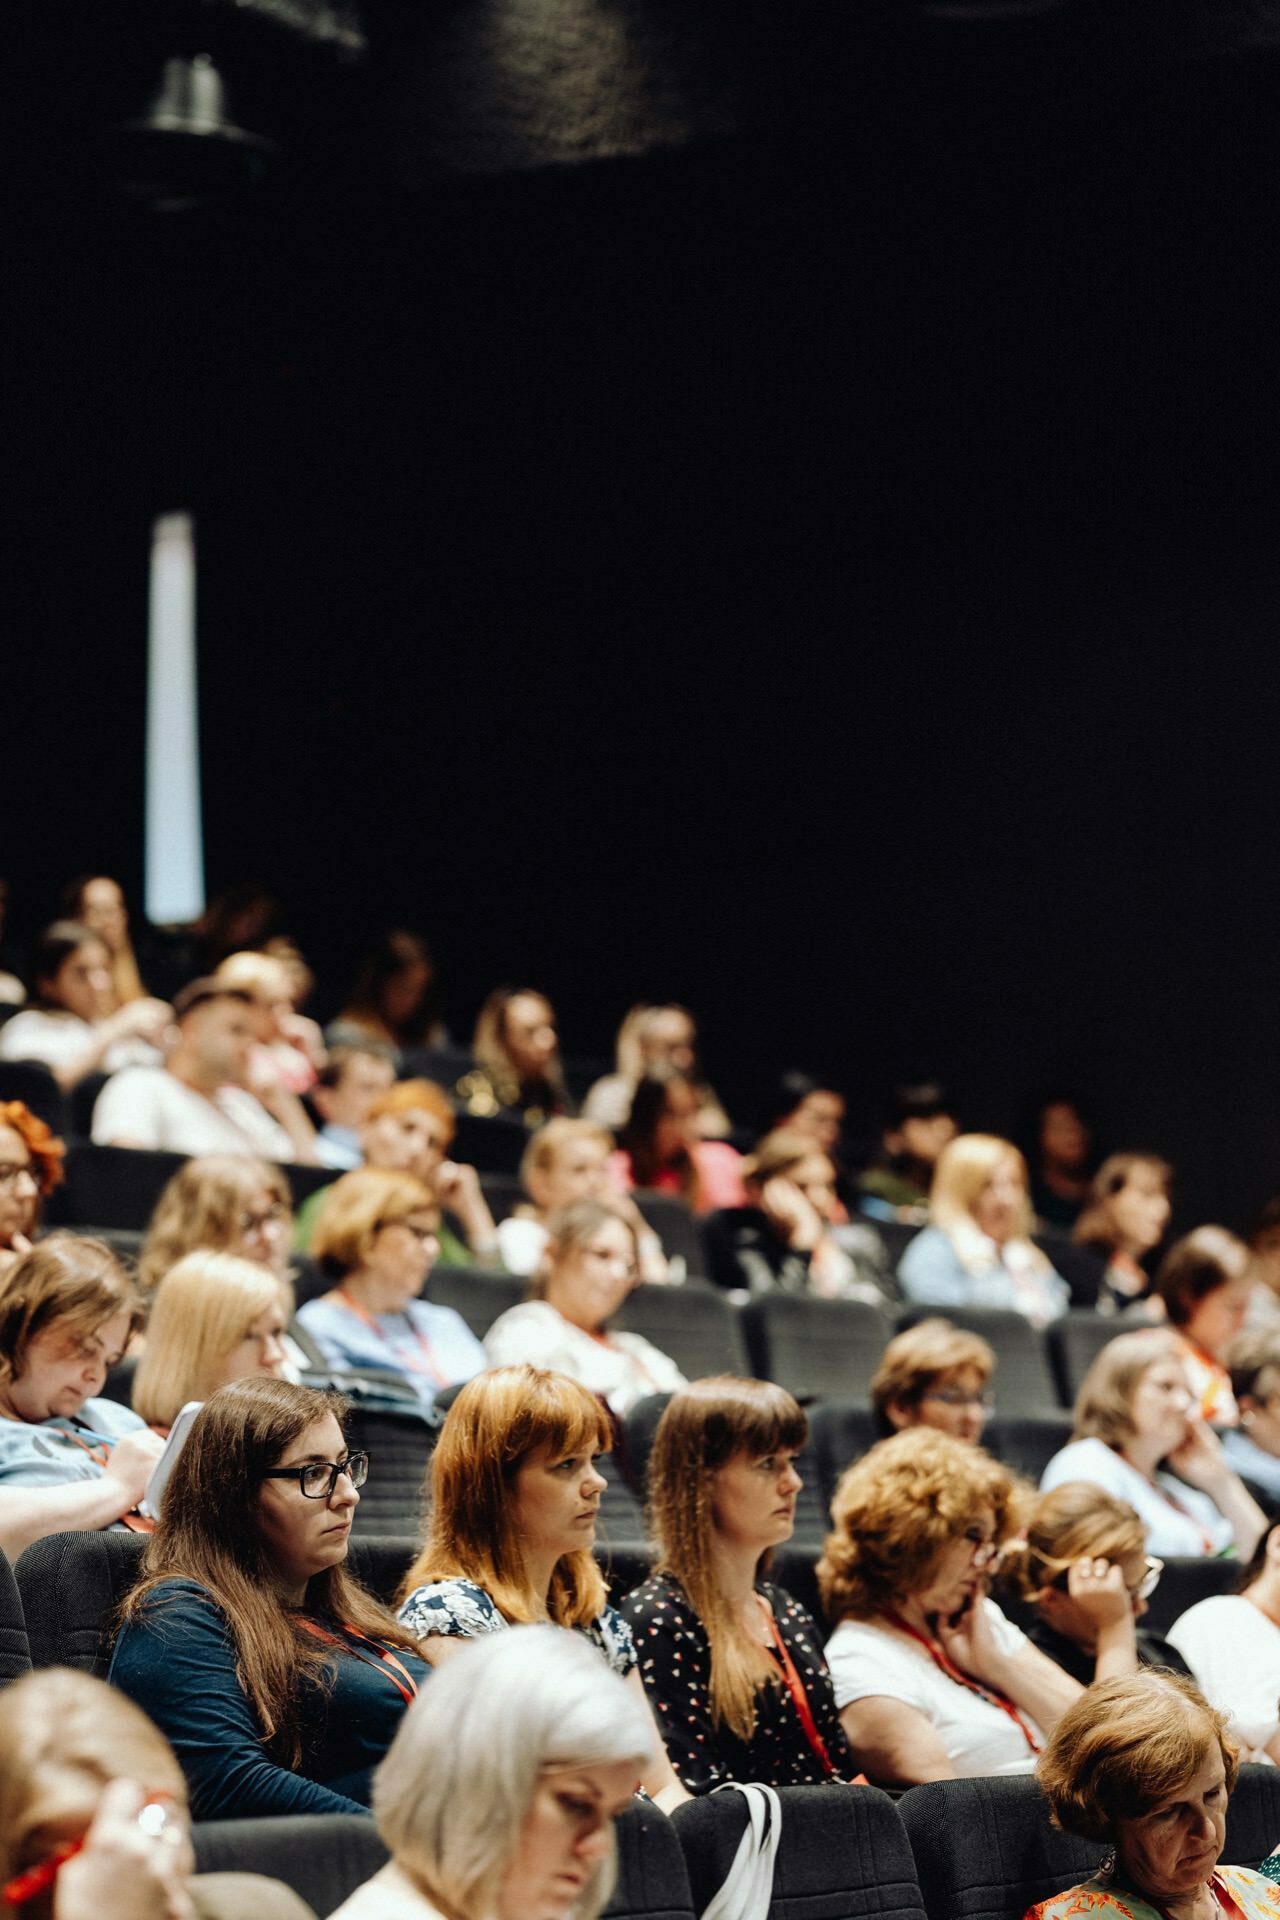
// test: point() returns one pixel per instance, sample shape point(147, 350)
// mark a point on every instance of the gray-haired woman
point(498, 1794)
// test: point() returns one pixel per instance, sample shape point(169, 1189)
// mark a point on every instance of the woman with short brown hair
point(935, 1375)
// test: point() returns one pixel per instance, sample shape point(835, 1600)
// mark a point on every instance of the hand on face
point(790, 1213)
point(1098, 1589)
point(127, 1869)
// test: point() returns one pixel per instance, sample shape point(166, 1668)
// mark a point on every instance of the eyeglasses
point(12, 1170)
point(318, 1478)
point(984, 1550)
point(274, 1216)
point(957, 1397)
point(1142, 1589)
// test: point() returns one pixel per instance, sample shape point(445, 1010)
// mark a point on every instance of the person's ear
point(899, 1415)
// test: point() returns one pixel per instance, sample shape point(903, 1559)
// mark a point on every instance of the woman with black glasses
point(277, 1679)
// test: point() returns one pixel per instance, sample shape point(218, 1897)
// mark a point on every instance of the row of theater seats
point(954, 1850)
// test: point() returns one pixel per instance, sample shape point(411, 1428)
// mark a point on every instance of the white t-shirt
point(1180, 1520)
point(61, 1039)
point(622, 1368)
point(979, 1737)
point(1234, 1653)
point(149, 1107)
point(390, 1895)
point(521, 1244)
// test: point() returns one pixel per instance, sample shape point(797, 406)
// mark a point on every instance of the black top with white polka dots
point(675, 1665)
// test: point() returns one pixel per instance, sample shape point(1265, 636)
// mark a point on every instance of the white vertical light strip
point(175, 843)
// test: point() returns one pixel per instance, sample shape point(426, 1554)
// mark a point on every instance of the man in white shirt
point(200, 1100)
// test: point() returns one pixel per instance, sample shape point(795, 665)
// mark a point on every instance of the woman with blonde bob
point(215, 1319)
point(377, 1238)
point(1138, 1436)
point(514, 1498)
point(977, 1250)
point(933, 1683)
point(543, 1751)
point(935, 1375)
point(732, 1664)
point(1145, 1765)
point(226, 1203)
point(83, 1769)
point(568, 1160)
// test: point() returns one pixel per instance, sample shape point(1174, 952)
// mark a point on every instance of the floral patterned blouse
point(675, 1665)
point(1238, 1889)
point(462, 1610)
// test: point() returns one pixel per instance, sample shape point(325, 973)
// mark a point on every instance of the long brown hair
point(704, 1427)
point(206, 1534)
point(496, 1423)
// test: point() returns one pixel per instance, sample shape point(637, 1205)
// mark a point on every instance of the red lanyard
point(962, 1679)
point(799, 1698)
point(427, 1365)
point(383, 1662)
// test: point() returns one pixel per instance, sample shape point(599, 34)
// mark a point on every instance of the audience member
point(1059, 1143)
point(97, 902)
point(349, 1082)
point(589, 1268)
point(1205, 1282)
point(517, 1071)
point(543, 1750)
point(659, 1147)
point(287, 1047)
point(223, 1202)
point(1253, 1447)
point(919, 1124)
point(94, 1822)
point(514, 1498)
point(409, 1129)
point(30, 1168)
point(978, 1251)
point(1123, 1222)
point(932, 1682)
point(75, 1027)
point(1082, 1562)
point(215, 1318)
point(935, 1375)
point(202, 1100)
point(793, 1235)
point(278, 1680)
point(651, 1039)
point(377, 1237)
point(1137, 1436)
point(69, 1461)
point(396, 997)
point(568, 1160)
point(732, 1664)
point(1142, 1764)
point(1231, 1642)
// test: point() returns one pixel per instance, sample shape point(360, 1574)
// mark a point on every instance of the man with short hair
point(353, 1078)
point(202, 1099)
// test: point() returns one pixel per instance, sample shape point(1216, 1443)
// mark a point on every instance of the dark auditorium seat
point(503, 1193)
point(309, 1278)
point(675, 1226)
point(1253, 1817)
point(1027, 1443)
point(694, 1324)
point(380, 1562)
point(15, 1648)
point(490, 1146)
point(324, 1857)
point(795, 1567)
point(1075, 1341)
point(842, 1855)
point(1024, 1381)
point(985, 1849)
point(478, 1294)
point(1182, 1584)
point(896, 1234)
point(652, 1881)
point(1083, 1268)
point(114, 1186)
point(71, 1585)
point(621, 1515)
point(817, 1349)
point(118, 1385)
point(34, 1084)
point(81, 1102)
point(399, 1446)
point(624, 1568)
point(638, 1430)
point(841, 1431)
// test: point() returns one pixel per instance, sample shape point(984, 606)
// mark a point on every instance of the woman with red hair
point(30, 1168)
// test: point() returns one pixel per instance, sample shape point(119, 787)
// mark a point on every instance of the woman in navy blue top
point(278, 1680)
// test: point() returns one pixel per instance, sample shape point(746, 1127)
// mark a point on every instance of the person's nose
point(26, 1184)
point(593, 1842)
point(791, 1481)
point(273, 1351)
point(344, 1494)
point(594, 1482)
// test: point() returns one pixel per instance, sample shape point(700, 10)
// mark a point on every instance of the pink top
point(719, 1176)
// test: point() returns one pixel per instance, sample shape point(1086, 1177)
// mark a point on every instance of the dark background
point(783, 517)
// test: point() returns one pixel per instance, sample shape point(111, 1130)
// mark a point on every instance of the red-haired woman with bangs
point(30, 1168)
point(732, 1665)
point(515, 1495)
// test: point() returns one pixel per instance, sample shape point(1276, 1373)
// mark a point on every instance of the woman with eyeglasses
point(376, 1238)
point(226, 1202)
point(30, 1168)
point(932, 1682)
point(1082, 1563)
point(277, 1679)
point(935, 1375)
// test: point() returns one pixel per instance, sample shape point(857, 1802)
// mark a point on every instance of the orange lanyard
point(135, 1522)
point(962, 1679)
point(426, 1365)
point(799, 1698)
point(383, 1662)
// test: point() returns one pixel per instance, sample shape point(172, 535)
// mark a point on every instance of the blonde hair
point(703, 1428)
point(201, 1207)
point(569, 1228)
point(65, 1277)
point(263, 976)
point(916, 1360)
point(779, 1152)
point(1063, 1526)
point(897, 1509)
point(498, 1422)
point(65, 1736)
point(1128, 1745)
point(203, 1308)
point(555, 1137)
point(357, 1207)
point(1104, 1404)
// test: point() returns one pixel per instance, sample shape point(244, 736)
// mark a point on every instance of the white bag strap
point(748, 1889)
